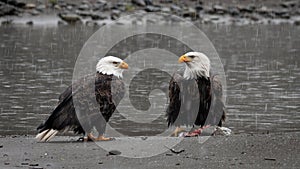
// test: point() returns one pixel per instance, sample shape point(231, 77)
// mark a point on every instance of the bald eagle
point(105, 88)
point(195, 99)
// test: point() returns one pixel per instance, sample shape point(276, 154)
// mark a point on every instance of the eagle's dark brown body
point(88, 102)
point(195, 101)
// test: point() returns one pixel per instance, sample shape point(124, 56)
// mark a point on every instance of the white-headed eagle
point(91, 88)
point(196, 97)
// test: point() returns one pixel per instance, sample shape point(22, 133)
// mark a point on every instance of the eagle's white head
point(197, 64)
point(111, 65)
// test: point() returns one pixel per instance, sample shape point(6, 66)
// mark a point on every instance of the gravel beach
point(277, 150)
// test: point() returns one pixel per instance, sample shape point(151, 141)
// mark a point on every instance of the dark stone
point(6, 163)
point(115, 14)
point(177, 164)
point(199, 7)
point(249, 8)
point(98, 16)
point(70, 18)
point(190, 12)
point(6, 22)
point(8, 10)
point(24, 163)
point(100, 162)
point(297, 22)
point(148, 2)
point(288, 4)
point(218, 9)
point(151, 8)
point(60, 22)
point(114, 152)
point(1, 146)
point(29, 23)
point(34, 164)
point(233, 11)
point(91, 23)
point(139, 2)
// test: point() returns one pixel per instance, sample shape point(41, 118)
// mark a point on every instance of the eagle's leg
point(89, 137)
point(102, 138)
point(177, 131)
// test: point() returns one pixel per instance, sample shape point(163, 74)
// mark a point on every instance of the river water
point(261, 64)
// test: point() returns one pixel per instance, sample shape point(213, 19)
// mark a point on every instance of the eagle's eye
point(192, 56)
point(115, 63)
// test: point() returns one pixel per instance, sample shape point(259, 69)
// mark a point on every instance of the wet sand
point(277, 150)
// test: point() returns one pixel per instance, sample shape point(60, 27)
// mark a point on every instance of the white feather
point(106, 66)
point(46, 135)
point(199, 66)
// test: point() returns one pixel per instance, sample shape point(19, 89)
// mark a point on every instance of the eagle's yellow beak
point(123, 65)
point(184, 58)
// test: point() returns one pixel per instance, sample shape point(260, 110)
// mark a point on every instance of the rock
point(175, 8)
point(282, 13)
point(41, 8)
point(24, 163)
point(297, 22)
point(177, 164)
point(33, 164)
point(150, 8)
point(15, 3)
point(233, 11)
point(29, 23)
point(166, 1)
point(148, 2)
point(6, 163)
point(83, 7)
point(249, 8)
point(263, 10)
point(165, 9)
point(1, 146)
point(288, 4)
point(60, 22)
point(91, 23)
point(30, 6)
point(70, 17)
point(115, 14)
point(198, 7)
point(114, 152)
point(98, 16)
point(8, 10)
point(57, 7)
point(7, 22)
point(139, 2)
point(34, 12)
point(218, 9)
point(190, 12)
point(83, 13)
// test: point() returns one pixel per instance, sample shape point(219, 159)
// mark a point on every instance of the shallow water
point(261, 63)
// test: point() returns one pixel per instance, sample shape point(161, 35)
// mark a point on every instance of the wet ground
point(261, 65)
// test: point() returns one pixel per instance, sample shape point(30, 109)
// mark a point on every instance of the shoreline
point(279, 150)
point(101, 12)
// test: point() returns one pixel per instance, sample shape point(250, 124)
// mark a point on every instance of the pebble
point(29, 23)
point(151, 8)
point(114, 152)
point(139, 2)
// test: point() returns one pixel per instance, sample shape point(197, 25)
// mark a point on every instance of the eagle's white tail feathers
point(46, 135)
